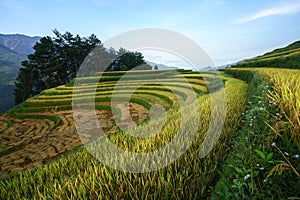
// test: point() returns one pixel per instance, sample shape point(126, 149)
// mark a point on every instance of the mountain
point(9, 57)
point(286, 57)
point(20, 44)
point(167, 67)
point(13, 49)
point(160, 66)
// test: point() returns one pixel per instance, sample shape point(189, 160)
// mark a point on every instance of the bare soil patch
point(29, 143)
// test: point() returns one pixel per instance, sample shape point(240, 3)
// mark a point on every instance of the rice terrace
point(255, 157)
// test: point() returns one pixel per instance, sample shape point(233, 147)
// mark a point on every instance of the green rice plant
point(153, 99)
point(264, 162)
point(56, 119)
point(29, 109)
point(270, 55)
point(198, 86)
point(106, 91)
point(141, 102)
point(287, 95)
point(138, 72)
point(94, 79)
point(104, 97)
point(40, 102)
point(79, 176)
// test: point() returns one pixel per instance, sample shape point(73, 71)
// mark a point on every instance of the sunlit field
point(264, 161)
point(45, 130)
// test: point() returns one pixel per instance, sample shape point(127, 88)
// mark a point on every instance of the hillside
point(162, 103)
point(20, 44)
point(50, 113)
point(13, 49)
point(54, 138)
point(286, 57)
point(41, 137)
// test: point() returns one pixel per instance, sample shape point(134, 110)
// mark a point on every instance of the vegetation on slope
point(52, 110)
point(57, 60)
point(262, 156)
point(264, 162)
point(54, 62)
point(287, 57)
point(79, 175)
point(13, 49)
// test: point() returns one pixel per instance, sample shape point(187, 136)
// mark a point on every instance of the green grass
point(160, 89)
point(255, 157)
point(78, 175)
point(263, 163)
point(287, 57)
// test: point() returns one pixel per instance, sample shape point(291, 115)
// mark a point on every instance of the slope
point(13, 49)
point(42, 128)
point(286, 57)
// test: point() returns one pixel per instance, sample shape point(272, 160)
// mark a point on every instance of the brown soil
point(29, 143)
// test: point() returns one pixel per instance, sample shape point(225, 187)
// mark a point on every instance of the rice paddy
point(51, 112)
point(36, 134)
point(42, 156)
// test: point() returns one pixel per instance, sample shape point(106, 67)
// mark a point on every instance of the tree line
point(57, 59)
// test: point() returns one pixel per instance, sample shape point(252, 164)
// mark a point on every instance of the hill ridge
point(13, 49)
point(285, 57)
point(22, 44)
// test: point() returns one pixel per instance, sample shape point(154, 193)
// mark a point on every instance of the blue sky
point(228, 30)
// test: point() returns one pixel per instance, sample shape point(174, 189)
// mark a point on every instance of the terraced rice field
point(42, 128)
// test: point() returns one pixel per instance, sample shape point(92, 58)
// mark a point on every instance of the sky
point(228, 30)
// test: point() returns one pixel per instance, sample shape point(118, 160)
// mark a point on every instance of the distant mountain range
point(167, 67)
point(20, 44)
point(160, 66)
point(13, 49)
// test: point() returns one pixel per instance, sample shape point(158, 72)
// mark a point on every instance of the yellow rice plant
point(287, 94)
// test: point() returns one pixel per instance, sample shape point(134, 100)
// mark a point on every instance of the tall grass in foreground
point(79, 176)
point(264, 162)
point(287, 94)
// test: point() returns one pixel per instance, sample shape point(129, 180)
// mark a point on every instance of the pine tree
point(55, 62)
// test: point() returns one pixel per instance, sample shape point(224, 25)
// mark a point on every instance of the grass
point(287, 94)
point(263, 162)
point(255, 157)
point(287, 57)
point(156, 91)
point(78, 175)
point(277, 55)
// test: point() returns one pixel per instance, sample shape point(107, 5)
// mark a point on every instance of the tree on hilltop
point(126, 60)
point(55, 62)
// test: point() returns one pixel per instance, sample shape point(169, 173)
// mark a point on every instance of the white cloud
point(280, 10)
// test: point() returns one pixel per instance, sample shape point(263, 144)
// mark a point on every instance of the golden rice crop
point(79, 176)
point(287, 94)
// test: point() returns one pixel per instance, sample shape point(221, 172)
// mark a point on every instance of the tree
point(155, 67)
point(124, 68)
point(55, 62)
point(128, 59)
